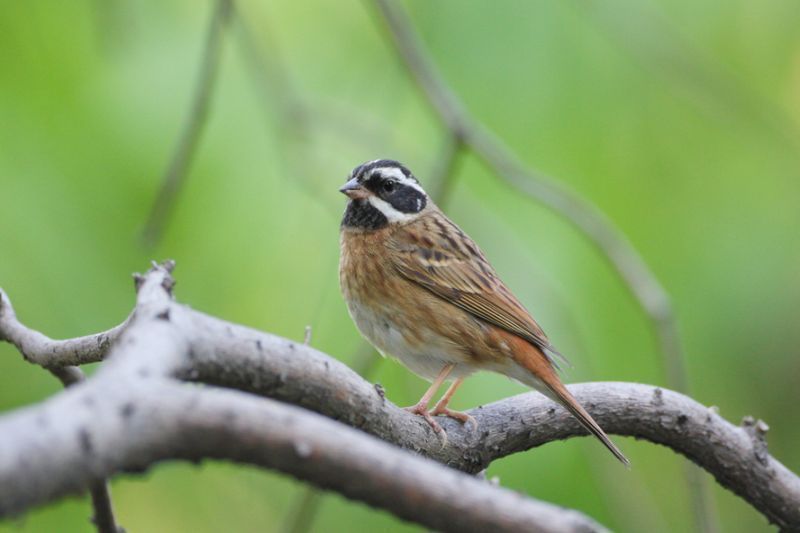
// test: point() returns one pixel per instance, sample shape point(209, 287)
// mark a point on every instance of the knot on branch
point(161, 270)
point(6, 309)
point(138, 281)
point(167, 266)
point(757, 431)
point(658, 397)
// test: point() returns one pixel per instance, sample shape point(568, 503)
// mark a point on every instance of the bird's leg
point(421, 407)
point(441, 406)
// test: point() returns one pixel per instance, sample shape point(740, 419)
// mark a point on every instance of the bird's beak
point(353, 189)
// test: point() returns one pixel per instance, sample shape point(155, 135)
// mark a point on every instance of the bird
point(419, 289)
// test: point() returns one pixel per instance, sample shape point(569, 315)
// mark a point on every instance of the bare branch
point(300, 375)
point(133, 428)
point(166, 339)
point(131, 414)
point(41, 350)
point(193, 128)
point(103, 518)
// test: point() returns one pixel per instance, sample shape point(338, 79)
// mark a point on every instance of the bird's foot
point(464, 418)
point(421, 409)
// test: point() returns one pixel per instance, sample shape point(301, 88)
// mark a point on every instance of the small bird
point(419, 289)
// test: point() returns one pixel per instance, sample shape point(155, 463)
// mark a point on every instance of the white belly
point(426, 358)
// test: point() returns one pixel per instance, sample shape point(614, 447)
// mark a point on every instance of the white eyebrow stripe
point(392, 172)
point(396, 173)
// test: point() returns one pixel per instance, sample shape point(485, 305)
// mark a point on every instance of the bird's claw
point(464, 418)
point(422, 410)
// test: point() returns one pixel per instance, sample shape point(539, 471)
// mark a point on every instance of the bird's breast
point(403, 319)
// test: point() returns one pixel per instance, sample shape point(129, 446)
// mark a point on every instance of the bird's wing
point(437, 255)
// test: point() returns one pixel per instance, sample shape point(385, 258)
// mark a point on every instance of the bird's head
point(382, 192)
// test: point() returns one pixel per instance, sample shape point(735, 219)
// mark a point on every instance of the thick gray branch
point(132, 414)
point(107, 427)
point(736, 456)
point(99, 491)
point(167, 339)
point(242, 358)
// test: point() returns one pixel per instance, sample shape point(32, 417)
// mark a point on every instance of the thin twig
point(58, 356)
point(286, 115)
point(271, 75)
point(67, 375)
point(442, 178)
point(303, 511)
point(99, 491)
point(103, 518)
point(181, 159)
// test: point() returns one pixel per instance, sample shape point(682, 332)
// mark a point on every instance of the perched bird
point(419, 289)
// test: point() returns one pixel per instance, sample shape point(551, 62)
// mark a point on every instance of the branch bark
point(131, 427)
point(132, 414)
point(99, 491)
point(166, 340)
point(41, 350)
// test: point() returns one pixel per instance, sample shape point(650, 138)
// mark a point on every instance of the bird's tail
point(541, 376)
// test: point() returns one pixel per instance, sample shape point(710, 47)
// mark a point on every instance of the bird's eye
point(389, 186)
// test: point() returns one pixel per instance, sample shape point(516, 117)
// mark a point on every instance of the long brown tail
point(542, 373)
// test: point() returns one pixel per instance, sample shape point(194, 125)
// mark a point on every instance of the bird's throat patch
point(363, 215)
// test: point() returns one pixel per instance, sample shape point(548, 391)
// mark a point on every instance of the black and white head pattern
point(395, 195)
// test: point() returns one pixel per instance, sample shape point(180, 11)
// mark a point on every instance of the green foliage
point(679, 119)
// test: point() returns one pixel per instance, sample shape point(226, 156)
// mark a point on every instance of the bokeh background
point(680, 120)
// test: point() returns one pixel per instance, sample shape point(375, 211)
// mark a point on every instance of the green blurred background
point(679, 119)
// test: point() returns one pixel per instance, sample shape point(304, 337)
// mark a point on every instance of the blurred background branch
point(181, 159)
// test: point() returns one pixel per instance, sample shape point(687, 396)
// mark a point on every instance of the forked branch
point(165, 340)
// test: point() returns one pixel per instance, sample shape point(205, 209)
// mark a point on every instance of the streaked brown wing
point(435, 253)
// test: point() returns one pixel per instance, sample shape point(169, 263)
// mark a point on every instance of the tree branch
point(130, 428)
point(193, 128)
point(132, 414)
point(736, 456)
point(99, 491)
point(41, 350)
point(165, 339)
